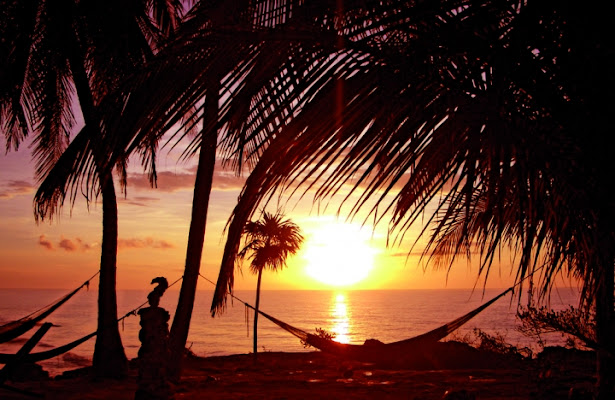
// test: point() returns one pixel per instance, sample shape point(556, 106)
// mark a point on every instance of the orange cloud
point(140, 201)
point(135, 243)
point(69, 245)
point(168, 181)
point(227, 180)
point(42, 240)
point(77, 244)
point(15, 188)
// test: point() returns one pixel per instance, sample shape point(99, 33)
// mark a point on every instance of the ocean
point(352, 316)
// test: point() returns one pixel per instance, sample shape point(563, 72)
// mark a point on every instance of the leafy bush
point(578, 326)
point(495, 343)
point(321, 333)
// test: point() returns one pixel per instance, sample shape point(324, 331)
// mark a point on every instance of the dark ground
point(455, 372)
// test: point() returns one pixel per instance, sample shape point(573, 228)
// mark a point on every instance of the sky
point(153, 231)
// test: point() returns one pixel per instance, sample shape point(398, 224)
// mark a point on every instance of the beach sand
point(315, 375)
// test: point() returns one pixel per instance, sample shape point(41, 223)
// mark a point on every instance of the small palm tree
point(269, 242)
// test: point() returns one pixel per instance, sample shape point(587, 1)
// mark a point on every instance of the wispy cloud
point(174, 181)
point(227, 180)
point(167, 181)
point(135, 243)
point(69, 245)
point(78, 244)
point(15, 188)
point(42, 240)
point(85, 246)
point(140, 201)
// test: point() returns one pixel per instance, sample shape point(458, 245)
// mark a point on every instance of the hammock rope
point(360, 352)
point(18, 327)
point(44, 355)
point(380, 351)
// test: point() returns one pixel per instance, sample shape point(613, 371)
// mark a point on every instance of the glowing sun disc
point(339, 254)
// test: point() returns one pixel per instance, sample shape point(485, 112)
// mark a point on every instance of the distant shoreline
point(332, 289)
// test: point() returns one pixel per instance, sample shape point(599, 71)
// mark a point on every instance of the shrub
point(321, 333)
point(495, 343)
point(576, 325)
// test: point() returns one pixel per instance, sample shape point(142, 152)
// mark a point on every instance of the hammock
point(374, 351)
point(44, 355)
point(17, 328)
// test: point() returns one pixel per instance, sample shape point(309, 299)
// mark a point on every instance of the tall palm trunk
point(256, 308)
point(196, 237)
point(109, 358)
point(605, 333)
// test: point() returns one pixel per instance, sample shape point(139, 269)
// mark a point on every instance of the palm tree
point(219, 46)
point(224, 62)
point(269, 242)
point(483, 102)
point(61, 54)
point(492, 112)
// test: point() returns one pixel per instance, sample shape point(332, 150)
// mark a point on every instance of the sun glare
point(340, 319)
point(339, 254)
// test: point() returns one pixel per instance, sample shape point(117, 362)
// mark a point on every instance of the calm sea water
point(352, 316)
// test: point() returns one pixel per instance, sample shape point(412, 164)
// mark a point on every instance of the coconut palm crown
point(269, 242)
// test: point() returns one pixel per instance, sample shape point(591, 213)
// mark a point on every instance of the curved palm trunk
point(109, 358)
point(196, 237)
point(256, 305)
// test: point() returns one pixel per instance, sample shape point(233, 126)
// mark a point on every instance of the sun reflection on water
point(340, 321)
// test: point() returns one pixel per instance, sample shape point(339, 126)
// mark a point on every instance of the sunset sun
point(339, 254)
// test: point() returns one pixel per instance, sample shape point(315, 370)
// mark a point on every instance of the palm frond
point(68, 177)
point(15, 109)
point(466, 105)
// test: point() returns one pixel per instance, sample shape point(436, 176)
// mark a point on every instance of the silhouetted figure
point(153, 383)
